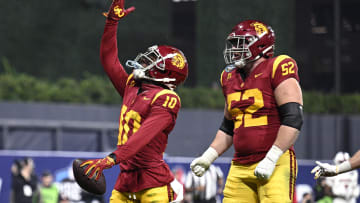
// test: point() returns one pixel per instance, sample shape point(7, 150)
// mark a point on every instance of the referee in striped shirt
point(205, 189)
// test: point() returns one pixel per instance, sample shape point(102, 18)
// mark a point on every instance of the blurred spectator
point(323, 192)
point(303, 194)
point(180, 176)
point(91, 198)
point(48, 192)
point(345, 187)
point(207, 188)
point(24, 181)
point(70, 191)
point(192, 187)
point(307, 198)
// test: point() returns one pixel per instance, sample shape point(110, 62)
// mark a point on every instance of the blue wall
point(60, 162)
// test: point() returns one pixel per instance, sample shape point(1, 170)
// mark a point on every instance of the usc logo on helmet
point(119, 11)
point(178, 61)
point(260, 28)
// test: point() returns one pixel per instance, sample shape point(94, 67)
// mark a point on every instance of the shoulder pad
point(162, 92)
point(277, 61)
point(229, 68)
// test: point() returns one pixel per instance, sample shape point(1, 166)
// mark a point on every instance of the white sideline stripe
point(170, 159)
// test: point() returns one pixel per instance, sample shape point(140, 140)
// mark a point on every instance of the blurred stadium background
point(55, 100)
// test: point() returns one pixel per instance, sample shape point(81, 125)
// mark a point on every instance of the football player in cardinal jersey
point(148, 114)
point(262, 118)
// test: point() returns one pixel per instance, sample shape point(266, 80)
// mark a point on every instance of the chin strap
point(242, 62)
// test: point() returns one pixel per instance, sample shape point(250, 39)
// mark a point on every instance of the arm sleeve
point(158, 120)
point(109, 57)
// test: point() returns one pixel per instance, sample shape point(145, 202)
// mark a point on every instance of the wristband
point(274, 153)
point(343, 167)
point(112, 156)
point(210, 154)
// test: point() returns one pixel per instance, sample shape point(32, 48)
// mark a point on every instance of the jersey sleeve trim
point(129, 78)
point(276, 63)
point(221, 78)
point(162, 92)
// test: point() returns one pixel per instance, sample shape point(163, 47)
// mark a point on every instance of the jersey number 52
point(246, 117)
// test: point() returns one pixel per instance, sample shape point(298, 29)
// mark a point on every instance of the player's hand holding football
point(117, 10)
point(266, 167)
point(94, 167)
point(202, 163)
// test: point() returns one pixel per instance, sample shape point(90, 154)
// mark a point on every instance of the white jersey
point(345, 187)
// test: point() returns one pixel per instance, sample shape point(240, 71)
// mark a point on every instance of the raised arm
point(108, 48)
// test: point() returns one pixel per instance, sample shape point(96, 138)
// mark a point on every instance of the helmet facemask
point(237, 50)
point(144, 63)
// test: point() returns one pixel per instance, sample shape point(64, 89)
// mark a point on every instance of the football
point(90, 185)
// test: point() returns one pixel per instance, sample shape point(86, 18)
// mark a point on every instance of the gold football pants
point(162, 194)
point(242, 186)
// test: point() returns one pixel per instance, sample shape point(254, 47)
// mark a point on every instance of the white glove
point(325, 169)
point(178, 188)
point(266, 166)
point(202, 163)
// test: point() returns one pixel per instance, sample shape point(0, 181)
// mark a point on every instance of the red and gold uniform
point(148, 114)
point(252, 105)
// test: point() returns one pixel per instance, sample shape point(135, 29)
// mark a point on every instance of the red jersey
point(251, 103)
point(148, 114)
